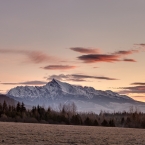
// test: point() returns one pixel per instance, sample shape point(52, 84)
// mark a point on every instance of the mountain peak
point(56, 92)
point(55, 80)
point(58, 84)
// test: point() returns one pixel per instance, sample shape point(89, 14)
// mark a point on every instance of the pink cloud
point(59, 67)
point(112, 57)
point(26, 83)
point(78, 77)
point(91, 58)
point(85, 50)
point(33, 56)
point(129, 60)
point(128, 52)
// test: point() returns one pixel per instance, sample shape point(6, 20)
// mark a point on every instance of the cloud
point(38, 57)
point(78, 77)
point(112, 57)
point(91, 58)
point(138, 83)
point(3, 92)
point(129, 60)
point(128, 52)
point(138, 88)
point(139, 96)
point(92, 77)
point(135, 89)
point(85, 50)
point(33, 56)
point(141, 44)
point(58, 67)
point(26, 83)
point(95, 67)
point(63, 77)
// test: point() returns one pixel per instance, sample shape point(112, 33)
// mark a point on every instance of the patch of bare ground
point(45, 134)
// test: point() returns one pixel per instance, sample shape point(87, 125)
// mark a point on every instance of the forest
point(67, 114)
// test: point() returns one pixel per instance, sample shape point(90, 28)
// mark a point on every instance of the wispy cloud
point(92, 77)
point(141, 44)
point(135, 89)
point(112, 57)
point(138, 88)
point(95, 67)
point(63, 77)
point(38, 57)
point(33, 56)
point(128, 52)
point(130, 60)
point(139, 96)
point(78, 77)
point(91, 58)
point(26, 83)
point(85, 50)
point(138, 83)
point(3, 92)
point(59, 67)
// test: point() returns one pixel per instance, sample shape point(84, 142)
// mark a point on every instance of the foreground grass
point(44, 134)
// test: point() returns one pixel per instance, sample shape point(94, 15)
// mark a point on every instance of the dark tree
point(143, 123)
point(76, 120)
point(95, 123)
point(18, 108)
point(1, 107)
point(23, 109)
point(122, 120)
point(104, 123)
point(88, 121)
point(112, 123)
point(5, 107)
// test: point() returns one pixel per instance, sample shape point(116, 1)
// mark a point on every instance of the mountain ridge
point(9, 101)
point(56, 92)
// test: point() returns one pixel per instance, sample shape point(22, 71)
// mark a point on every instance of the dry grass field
point(44, 134)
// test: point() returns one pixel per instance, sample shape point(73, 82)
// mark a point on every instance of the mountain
point(9, 101)
point(86, 98)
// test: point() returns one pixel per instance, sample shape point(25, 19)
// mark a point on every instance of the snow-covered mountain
point(86, 98)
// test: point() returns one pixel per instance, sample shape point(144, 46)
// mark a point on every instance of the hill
point(9, 101)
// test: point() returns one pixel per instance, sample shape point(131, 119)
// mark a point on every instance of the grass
point(45, 134)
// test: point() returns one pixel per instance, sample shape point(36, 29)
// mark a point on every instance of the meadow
point(46, 134)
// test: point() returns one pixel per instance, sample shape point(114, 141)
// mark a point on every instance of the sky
point(98, 43)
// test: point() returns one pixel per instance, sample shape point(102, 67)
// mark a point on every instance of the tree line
point(67, 114)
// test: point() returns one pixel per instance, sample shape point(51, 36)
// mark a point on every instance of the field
point(44, 134)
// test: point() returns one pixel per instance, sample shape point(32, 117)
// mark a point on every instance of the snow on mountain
point(55, 87)
point(55, 92)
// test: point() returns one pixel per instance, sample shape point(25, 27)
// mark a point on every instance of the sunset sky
point(98, 43)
